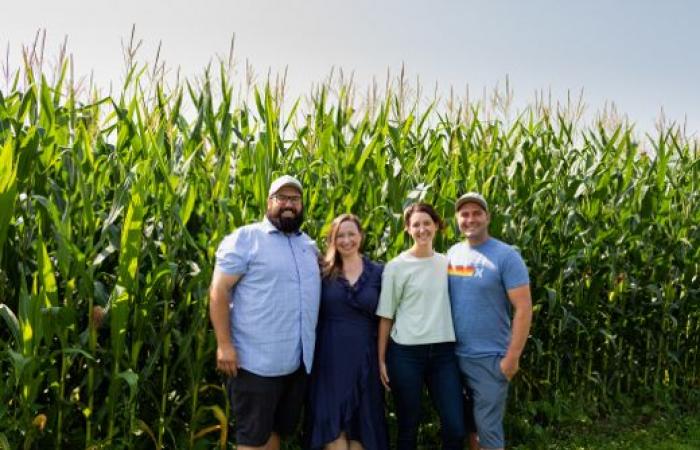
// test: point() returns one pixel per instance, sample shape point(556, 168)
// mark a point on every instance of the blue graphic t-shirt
point(479, 279)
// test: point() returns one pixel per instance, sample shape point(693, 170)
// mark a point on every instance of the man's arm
point(221, 285)
point(521, 300)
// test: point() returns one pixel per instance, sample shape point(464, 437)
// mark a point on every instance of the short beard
point(286, 224)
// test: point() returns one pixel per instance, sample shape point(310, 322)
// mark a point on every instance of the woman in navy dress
point(346, 399)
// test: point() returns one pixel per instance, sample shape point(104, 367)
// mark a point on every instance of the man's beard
point(286, 224)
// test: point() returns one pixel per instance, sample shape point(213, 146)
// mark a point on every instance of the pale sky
point(641, 54)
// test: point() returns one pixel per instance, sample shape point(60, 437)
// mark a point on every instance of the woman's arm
point(382, 343)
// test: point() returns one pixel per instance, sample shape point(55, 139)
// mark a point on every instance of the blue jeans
point(411, 366)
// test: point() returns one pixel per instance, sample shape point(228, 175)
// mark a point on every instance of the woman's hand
point(383, 375)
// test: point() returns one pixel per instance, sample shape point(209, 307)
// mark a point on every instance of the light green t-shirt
point(415, 294)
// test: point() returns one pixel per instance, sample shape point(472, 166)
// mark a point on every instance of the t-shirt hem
point(479, 355)
point(272, 373)
point(518, 284)
point(431, 340)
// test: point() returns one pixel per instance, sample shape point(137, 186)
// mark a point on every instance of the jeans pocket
point(497, 369)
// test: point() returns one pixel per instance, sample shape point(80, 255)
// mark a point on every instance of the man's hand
point(509, 366)
point(227, 360)
point(521, 301)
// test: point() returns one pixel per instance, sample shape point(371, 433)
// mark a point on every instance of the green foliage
point(667, 430)
point(112, 211)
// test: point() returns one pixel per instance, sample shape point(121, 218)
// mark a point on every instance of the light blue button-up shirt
point(274, 306)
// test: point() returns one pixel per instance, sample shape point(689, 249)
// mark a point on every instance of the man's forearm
point(522, 320)
point(219, 315)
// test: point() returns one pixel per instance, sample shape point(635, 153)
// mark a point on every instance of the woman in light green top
point(414, 307)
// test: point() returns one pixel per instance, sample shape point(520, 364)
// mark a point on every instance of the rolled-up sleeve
point(233, 254)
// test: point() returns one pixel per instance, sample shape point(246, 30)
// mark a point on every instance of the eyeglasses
point(293, 199)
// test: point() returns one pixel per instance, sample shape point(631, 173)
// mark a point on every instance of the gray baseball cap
point(284, 180)
point(473, 197)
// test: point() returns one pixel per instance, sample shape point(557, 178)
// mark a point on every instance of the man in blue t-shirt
point(488, 283)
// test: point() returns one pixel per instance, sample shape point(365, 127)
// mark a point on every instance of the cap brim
point(463, 201)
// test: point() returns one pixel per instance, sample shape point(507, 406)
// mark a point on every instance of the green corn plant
point(113, 207)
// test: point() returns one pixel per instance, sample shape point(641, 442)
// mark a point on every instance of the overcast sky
point(641, 54)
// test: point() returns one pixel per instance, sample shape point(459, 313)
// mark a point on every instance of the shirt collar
point(268, 227)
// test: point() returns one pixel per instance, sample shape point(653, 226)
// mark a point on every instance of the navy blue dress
point(345, 393)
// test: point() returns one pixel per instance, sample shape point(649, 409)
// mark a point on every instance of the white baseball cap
point(284, 180)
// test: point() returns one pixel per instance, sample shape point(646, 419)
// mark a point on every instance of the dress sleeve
point(365, 295)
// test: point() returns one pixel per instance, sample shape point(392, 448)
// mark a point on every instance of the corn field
point(111, 210)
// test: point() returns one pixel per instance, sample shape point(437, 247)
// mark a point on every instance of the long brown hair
point(332, 261)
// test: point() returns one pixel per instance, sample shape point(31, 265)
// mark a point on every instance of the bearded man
point(264, 302)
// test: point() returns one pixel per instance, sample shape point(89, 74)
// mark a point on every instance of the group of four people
point(355, 325)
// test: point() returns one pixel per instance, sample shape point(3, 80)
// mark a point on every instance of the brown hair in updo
point(424, 208)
